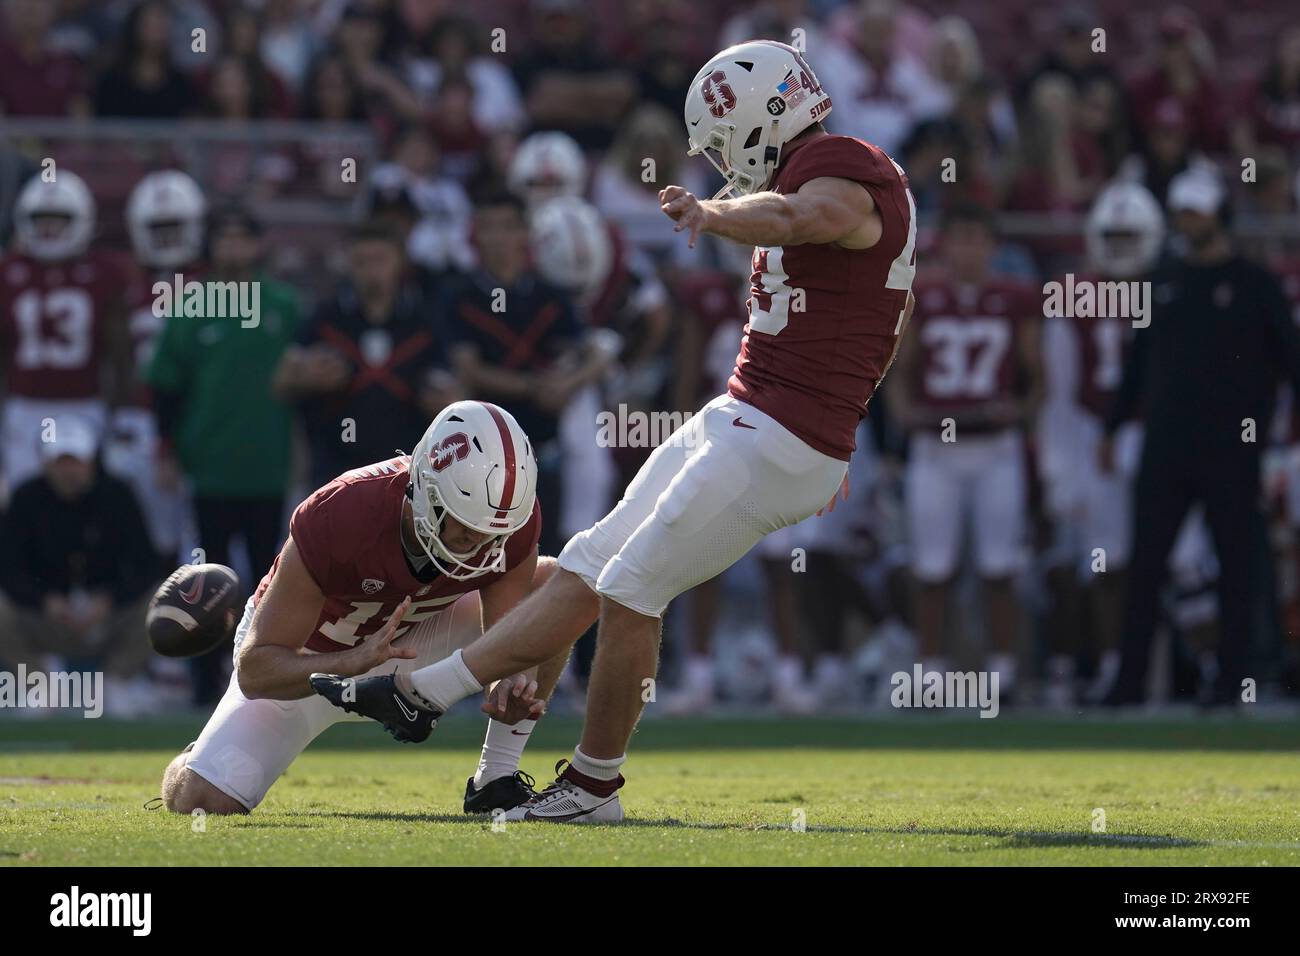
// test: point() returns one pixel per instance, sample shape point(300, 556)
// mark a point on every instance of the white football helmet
point(476, 464)
point(66, 197)
point(746, 104)
point(572, 246)
point(547, 165)
point(164, 216)
point(1124, 231)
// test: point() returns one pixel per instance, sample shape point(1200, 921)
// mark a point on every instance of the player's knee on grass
point(184, 791)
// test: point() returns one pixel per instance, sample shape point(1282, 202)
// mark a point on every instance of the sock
point(442, 684)
point(502, 748)
point(595, 768)
point(600, 777)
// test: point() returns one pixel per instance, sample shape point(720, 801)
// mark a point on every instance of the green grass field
point(909, 790)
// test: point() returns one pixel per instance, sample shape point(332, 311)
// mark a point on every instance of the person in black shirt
point(143, 82)
point(1206, 371)
point(76, 562)
point(369, 368)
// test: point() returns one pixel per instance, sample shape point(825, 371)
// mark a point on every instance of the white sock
point(445, 682)
point(597, 769)
point(502, 748)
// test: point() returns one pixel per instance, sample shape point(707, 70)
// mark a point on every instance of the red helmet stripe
point(508, 492)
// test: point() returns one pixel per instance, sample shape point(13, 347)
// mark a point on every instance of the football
point(194, 610)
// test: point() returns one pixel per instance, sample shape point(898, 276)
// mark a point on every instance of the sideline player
point(968, 384)
point(1091, 508)
point(63, 344)
point(833, 226)
point(398, 564)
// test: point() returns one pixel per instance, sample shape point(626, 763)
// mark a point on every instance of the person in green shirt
point(219, 424)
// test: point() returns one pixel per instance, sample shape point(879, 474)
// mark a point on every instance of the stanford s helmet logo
point(451, 449)
point(718, 94)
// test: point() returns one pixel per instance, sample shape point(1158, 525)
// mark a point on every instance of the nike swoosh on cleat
point(521, 733)
point(568, 816)
point(740, 424)
point(410, 714)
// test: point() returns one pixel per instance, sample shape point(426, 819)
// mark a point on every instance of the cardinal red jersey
point(824, 320)
point(347, 534)
point(1102, 347)
point(55, 324)
point(966, 337)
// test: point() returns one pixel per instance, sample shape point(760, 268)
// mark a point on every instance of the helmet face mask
point(489, 557)
point(50, 225)
point(738, 182)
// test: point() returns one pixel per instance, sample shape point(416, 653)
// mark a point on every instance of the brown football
point(194, 610)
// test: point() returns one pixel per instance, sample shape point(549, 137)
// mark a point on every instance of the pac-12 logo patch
point(452, 448)
point(372, 585)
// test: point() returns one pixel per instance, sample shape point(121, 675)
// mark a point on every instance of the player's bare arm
point(272, 662)
point(309, 370)
point(824, 210)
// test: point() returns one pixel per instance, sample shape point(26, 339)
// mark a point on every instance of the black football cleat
point(379, 699)
point(503, 793)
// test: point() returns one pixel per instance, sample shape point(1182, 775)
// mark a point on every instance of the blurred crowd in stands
point(502, 239)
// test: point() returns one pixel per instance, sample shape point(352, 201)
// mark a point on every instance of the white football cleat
point(564, 801)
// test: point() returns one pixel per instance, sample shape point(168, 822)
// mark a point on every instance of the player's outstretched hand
point(684, 209)
point(513, 699)
point(378, 648)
